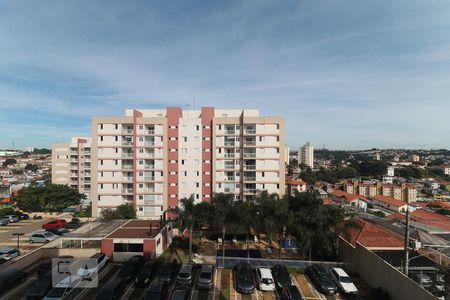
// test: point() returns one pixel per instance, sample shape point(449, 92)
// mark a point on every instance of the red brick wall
point(108, 248)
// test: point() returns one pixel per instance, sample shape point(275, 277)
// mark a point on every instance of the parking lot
point(24, 226)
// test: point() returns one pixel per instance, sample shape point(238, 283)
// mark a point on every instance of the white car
point(42, 237)
point(8, 253)
point(265, 279)
point(86, 271)
point(343, 281)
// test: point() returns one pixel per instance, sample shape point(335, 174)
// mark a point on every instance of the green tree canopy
point(51, 197)
point(9, 161)
point(31, 167)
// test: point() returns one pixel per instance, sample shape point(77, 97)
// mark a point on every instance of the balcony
point(127, 191)
point(151, 178)
point(230, 144)
point(230, 167)
point(127, 155)
point(127, 179)
point(127, 131)
point(231, 155)
point(127, 167)
point(127, 143)
point(250, 143)
point(149, 191)
point(230, 132)
point(230, 178)
point(249, 191)
point(148, 167)
point(150, 131)
point(249, 155)
point(249, 167)
point(249, 178)
point(149, 143)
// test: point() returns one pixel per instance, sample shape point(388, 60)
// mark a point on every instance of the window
point(278, 126)
point(116, 138)
point(141, 127)
point(116, 126)
point(141, 185)
point(184, 173)
point(116, 150)
point(101, 162)
point(220, 127)
point(101, 138)
point(182, 161)
point(262, 174)
point(183, 150)
point(197, 184)
point(198, 127)
point(185, 138)
point(101, 185)
point(158, 242)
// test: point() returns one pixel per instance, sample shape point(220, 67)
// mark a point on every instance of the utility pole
point(407, 241)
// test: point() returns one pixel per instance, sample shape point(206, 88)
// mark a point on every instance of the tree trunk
point(224, 229)
point(248, 250)
point(190, 242)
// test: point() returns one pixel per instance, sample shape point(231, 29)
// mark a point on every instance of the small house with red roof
point(295, 185)
point(391, 204)
point(344, 198)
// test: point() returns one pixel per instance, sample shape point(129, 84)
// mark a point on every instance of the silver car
point(206, 277)
point(42, 237)
point(4, 221)
point(12, 218)
point(8, 253)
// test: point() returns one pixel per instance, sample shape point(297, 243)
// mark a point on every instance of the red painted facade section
point(173, 119)
point(108, 247)
point(149, 248)
point(207, 115)
point(136, 114)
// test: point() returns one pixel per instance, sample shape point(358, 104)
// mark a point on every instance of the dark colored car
point(55, 223)
point(244, 281)
point(206, 277)
point(57, 230)
point(40, 287)
point(157, 290)
point(46, 266)
point(186, 275)
point(73, 224)
point(180, 294)
point(144, 274)
point(166, 271)
point(281, 276)
point(112, 289)
point(291, 292)
point(131, 267)
point(11, 278)
point(23, 216)
point(321, 279)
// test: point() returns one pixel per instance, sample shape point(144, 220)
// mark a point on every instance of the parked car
point(206, 277)
point(102, 260)
point(157, 290)
point(180, 293)
point(46, 265)
point(42, 237)
point(11, 278)
point(343, 281)
point(166, 271)
point(12, 218)
point(8, 253)
point(291, 292)
point(144, 274)
point(73, 224)
point(22, 215)
point(422, 279)
point(4, 221)
point(131, 267)
point(321, 279)
point(57, 230)
point(185, 276)
point(281, 276)
point(112, 289)
point(54, 223)
point(67, 292)
point(265, 279)
point(244, 282)
point(40, 287)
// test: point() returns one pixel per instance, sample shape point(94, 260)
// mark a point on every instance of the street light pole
point(406, 270)
point(18, 234)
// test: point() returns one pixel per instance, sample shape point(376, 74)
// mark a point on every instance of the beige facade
point(404, 192)
point(71, 165)
point(306, 155)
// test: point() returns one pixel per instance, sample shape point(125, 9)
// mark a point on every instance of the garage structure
point(149, 238)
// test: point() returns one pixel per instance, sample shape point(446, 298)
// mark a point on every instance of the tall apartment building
point(306, 155)
point(152, 158)
point(71, 165)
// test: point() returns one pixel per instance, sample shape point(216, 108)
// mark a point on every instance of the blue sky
point(348, 74)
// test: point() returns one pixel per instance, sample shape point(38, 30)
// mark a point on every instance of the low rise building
point(389, 203)
point(343, 198)
point(295, 185)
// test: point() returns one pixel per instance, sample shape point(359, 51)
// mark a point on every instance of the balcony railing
point(127, 167)
point(231, 155)
point(128, 179)
point(127, 131)
point(231, 132)
point(249, 191)
point(149, 178)
point(249, 178)
point(250, 143)
point(249, 155)
point(149, 143)
point(127, 155)
point(230, 178)
point(250, 131)
point(127, 191)
point(230, 144)
point(229, 167)
point(249, 167)
point(127, 143)
point(150, 132)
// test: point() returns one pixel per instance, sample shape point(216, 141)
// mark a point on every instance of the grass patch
point(225, 285)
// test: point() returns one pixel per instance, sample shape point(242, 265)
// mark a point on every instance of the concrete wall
point(378, 273)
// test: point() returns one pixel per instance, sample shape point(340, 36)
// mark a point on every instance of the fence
point(230, 262)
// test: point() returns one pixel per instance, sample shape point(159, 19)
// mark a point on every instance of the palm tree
point(246, 211)
point(223, 215)
point(187, 217)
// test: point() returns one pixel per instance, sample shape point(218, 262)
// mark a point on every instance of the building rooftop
point(389, 200)
point(137, 229)
point(347, 197)
point(373, 236)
